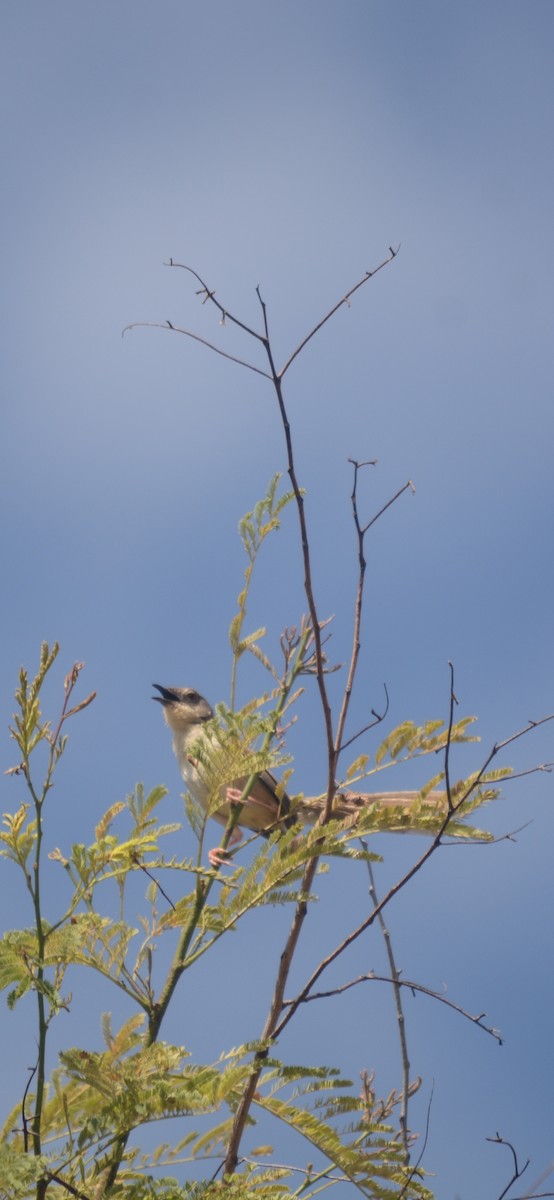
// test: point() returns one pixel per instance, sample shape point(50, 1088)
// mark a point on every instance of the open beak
point(167, 695)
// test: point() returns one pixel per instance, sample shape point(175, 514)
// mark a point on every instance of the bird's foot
point(234, 795)
point(219, 857)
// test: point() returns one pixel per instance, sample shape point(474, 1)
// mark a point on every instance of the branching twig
point(372, 977)
point(361, 531)
point(208, 294)
point(495, 751)
point(378, 718)
point(361, 928)
point(500, 1141)
point(410, 873)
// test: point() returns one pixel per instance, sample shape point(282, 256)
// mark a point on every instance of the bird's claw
point(219, 857)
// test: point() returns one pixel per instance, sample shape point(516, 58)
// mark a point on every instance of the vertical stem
point(231, 1159)
point(400, 1018)
point(308, 583)
point(42, 1022)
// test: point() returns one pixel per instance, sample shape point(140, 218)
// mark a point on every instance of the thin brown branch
point(345, 300)
point(156, 883)
point(378, 719)
point(520, 733)
point(24, 1120)
point(208, 294)
point(68, 1187)
point(517, 1173)
point(492, 841)
point(546, 767)
point(264, 314)
point(356, 639)
point(400, 1019)
point(498, 747)
point(306, 558)
point(307, 1172)
point(372, 977)
point(361, 531)
point(417, 1165)
point(196, 337)
point(453, 701)
point(410, 873)
point(276, 1006)
point(273, 1025)
point(392, 500)
point(361, 928)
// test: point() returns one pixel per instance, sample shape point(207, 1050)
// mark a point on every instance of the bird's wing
point(266, 808)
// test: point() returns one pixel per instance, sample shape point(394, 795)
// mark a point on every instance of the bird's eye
point(192, 697)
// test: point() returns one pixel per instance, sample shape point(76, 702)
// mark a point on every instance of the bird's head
point(182, 707)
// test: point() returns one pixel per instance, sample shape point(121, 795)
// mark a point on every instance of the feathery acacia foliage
point(74, 1131)
point(93, 1099)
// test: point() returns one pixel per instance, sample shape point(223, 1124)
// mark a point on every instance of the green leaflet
point(409, 740)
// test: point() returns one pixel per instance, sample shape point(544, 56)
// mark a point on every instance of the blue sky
point(288, 146)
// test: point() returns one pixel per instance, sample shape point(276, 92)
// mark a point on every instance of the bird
point(268, 807)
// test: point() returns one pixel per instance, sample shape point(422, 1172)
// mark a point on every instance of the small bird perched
point(267, 807)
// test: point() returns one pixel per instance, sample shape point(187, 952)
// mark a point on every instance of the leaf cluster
point(71, 1133)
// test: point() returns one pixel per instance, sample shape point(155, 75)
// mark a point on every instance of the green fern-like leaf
point(409, 740)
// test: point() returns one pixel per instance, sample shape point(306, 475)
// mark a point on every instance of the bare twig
point(498, 746)
point(361, 928)
point(24, 1120)
point(208, 294)
point(495, 751)
point(417, 1165)
point(410, 873)
point(405, 486)
point(308, 582)
point(517, 1173)
point(372, 977)
point(345, 300)
point(492, 841)
point(453, 701)
point(356, 642)
point(156, 883)
point(307, 1172)
point(378, 719)
point(196, 337)
point(545, 767)
point(400, 1019)
point(361, 531)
